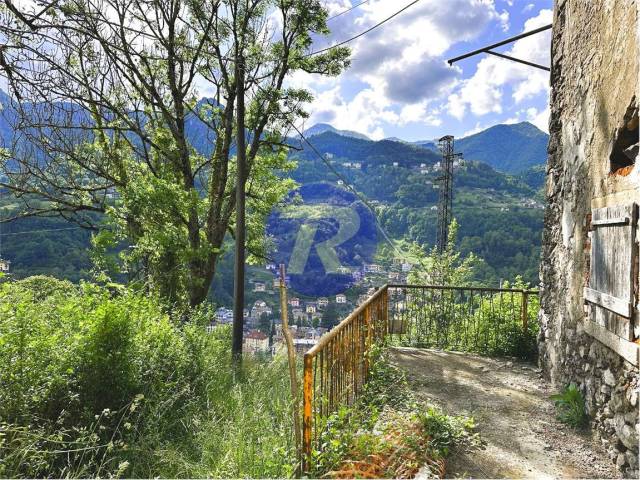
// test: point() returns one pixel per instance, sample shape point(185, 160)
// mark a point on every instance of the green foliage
point(488, 323)
point(447, 268)
point(570, 407)
point(330, 316)
point(387, 418)
point(103, 382)
point(445, 431)
point(499, 322)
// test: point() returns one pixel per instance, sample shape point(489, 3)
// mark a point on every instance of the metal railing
point(336, 368)
point(482, 320)
point(489, 321)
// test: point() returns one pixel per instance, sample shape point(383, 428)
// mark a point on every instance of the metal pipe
point(476, 289)
point(513, 59)
point(499, 44)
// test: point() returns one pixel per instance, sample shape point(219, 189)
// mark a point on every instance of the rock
point(609, 378)
point(509, 364)
point(631, 417)
point(632, 459)
point(621, 460)
point(606, 389)
point(628, 436)
point(485, 369)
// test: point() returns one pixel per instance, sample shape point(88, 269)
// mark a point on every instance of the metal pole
point(307, 399)
point(291, 355)
point(525, 315)
point(513, 59)
point(238, 287)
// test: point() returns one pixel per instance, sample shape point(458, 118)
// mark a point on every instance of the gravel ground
point(509, 401)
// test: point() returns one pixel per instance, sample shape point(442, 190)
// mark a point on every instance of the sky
point(399, 84)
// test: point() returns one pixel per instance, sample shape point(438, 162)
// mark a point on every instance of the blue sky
point(400, 85)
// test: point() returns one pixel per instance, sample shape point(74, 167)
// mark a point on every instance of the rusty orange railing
point(336, 368)
point(472, 319)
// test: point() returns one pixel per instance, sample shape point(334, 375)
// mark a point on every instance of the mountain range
point(497, 198)
point(509, 148)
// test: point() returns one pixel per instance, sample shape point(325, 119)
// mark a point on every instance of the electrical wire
point(347, 10)
point(344, 42)
point(353, 190)
point(39, 231)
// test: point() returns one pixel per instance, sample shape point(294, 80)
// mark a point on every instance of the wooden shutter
point(613, 256)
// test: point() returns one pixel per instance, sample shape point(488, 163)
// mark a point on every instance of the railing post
point(367, 343)
point(385, 310)
point(525, 315)
point(307, 411)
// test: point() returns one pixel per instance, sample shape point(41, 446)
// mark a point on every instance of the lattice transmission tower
point(445, 202)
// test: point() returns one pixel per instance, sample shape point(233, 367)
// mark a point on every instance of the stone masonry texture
point(594, 80)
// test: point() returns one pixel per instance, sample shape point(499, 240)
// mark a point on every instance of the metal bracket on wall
point(489, 49)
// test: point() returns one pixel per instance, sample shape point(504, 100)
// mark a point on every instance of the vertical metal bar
point(367, 321)
point(307, 410)
point(525, 316)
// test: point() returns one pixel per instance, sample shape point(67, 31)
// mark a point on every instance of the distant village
point(309, 318)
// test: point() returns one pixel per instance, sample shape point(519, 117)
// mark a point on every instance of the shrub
point(104, 382)
point(387, 433)
point(570, 406)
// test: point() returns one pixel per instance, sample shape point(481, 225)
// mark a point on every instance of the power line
point(39, 231)
point(347, 10)
point(362, 33)
point(353, 190)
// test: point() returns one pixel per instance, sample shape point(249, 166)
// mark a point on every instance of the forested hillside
point(500, 215)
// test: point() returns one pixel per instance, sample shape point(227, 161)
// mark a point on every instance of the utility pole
point(241, 177)
point(445, 202)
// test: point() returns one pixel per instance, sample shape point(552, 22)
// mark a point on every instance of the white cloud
point(400, 63)
point(366, 112)
point(539, 118)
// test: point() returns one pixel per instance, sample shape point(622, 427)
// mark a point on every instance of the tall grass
point(104, 382)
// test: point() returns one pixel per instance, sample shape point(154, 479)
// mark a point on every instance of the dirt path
point(515, 418)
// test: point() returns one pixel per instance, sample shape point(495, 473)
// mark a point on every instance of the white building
point(255, 342)
point(372, 268)
point(341, 298)
point(4, 265)
point(259, 287)
point(294, 301)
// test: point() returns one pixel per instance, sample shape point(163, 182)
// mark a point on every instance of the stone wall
point(594, 78)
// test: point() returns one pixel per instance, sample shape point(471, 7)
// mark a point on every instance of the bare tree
point(110, 132)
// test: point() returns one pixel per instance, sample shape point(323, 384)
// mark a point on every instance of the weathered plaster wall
point(595, 52)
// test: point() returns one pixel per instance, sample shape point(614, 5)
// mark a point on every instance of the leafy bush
point(570, 407)
point(488, 323)
point(104, 382)
point(387, 433)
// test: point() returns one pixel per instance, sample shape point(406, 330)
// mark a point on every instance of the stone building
point(590, 319)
